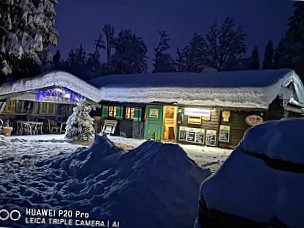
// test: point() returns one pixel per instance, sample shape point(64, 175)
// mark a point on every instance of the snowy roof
point(241, 89)
point(244, 89)
point(55, 78)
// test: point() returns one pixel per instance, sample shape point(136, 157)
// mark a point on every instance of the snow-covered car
point(261, 184)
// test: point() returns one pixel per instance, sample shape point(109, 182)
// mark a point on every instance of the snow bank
point(100, 156)
point(246, 186)
point(154, 185)
point(277, 139)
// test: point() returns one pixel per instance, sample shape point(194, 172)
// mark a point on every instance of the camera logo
point(13, 215)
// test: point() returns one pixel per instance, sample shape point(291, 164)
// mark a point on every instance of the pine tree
point(93, 64)
point(76, 62)
point(130, 53)
point(80, 123)
point(268, 56)
point(194, 54)
point(163, 61)
point(108, 31)
point(180, 61)
point(254, 60)
point(290, 52)
point(279, 58)
point(26, 30)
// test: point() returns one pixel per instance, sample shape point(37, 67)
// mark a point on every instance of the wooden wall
point(236, 123)
point(238, 128)
point(211, 124)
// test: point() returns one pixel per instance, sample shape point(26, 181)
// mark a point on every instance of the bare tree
point(224, 45)
point(109, 35)
point(163, 61)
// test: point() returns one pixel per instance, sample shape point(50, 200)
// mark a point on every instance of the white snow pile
point(277, 140)
point(154, 185)
point(263, 178)
point(2, 140)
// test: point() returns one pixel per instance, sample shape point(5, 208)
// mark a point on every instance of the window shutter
point(105, 111)
point(119, 112)
point(137, 114)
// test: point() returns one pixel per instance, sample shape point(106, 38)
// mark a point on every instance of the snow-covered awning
point(238, 89)
point(52, 79)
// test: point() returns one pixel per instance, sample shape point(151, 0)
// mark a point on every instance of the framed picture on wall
point(200, 136)
point(153, 112)
point(224, 135)
point(211, 137)
point(182, 136)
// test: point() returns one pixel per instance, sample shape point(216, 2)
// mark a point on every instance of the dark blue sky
point(81, 21)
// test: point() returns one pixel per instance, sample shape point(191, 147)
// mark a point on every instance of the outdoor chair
point(1, 126)
point(53, 127)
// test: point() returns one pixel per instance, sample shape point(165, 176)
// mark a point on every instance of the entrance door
point(170, 123)
point(154, 122)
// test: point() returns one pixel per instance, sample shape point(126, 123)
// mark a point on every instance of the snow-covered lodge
point(209, 108)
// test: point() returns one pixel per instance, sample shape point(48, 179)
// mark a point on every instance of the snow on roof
point(55, 78)
point(244, 89)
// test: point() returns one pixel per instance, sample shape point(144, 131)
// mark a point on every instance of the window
point(169, 113)
point(133, 114)
point(11, 106)
point(112, 111)
point(129, 115)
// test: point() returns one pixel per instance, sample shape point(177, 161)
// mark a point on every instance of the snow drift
point(154, 185)
point(250, 184)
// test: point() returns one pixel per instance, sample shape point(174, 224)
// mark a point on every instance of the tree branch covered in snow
point(27, 28)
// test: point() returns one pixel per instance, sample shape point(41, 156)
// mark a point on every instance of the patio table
point(31, 127)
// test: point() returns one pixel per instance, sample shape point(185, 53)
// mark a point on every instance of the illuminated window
point(11, 106)
point(133, 114)
point(112, 111)
point(169, 114)
point(129, 115)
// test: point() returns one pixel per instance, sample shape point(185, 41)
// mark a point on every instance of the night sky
point(81, 21)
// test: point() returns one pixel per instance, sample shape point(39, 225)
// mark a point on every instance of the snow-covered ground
point(16, 151)
point(26, 150)
point(206, 157)
point(153, 185)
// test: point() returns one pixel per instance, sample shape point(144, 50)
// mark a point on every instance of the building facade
point(209, 108)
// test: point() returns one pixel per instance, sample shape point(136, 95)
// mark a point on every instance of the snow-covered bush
point(80, 123)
